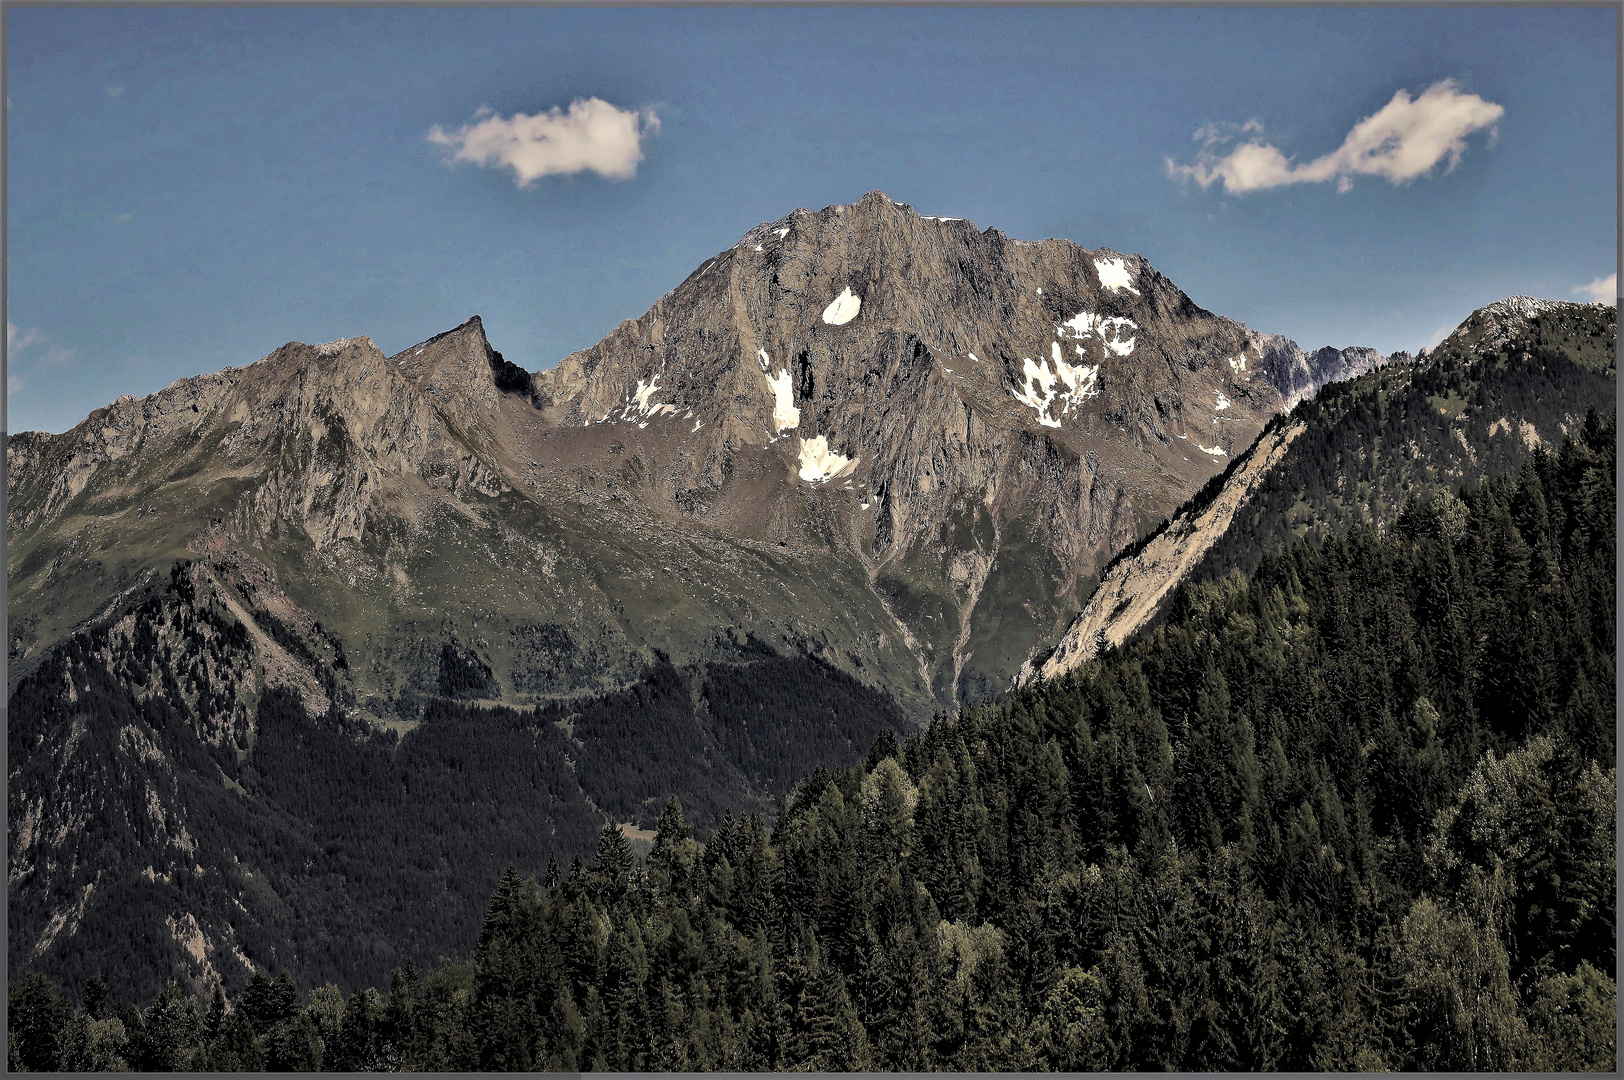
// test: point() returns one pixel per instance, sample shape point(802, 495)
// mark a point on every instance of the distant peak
point(1522, 306)
point(474, 323)
point(328, 349)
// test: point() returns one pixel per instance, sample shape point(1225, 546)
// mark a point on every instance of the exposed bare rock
point(863, 401)
point(1298, 374)
point(1135, 587)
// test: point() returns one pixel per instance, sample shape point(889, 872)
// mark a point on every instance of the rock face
point(937, 432)
point(872, 454)
point(1134, 588)
point(978, 421)
point(1416, 430)
point(1297, 375)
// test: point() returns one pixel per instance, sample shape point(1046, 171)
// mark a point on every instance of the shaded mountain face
point(977, 422)
point(854, 469)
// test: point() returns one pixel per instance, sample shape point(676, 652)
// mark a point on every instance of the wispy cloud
point(18, 339)
point(13, 385)
point(1439, 334)
point(1405, 140)
point(119, 219)
point(591, 136)
point(20, 342)
point(1604, 290)
point(114, 91)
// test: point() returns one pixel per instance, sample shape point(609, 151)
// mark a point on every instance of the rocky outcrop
point(897, 369)
point(1297, 374)
point(1134, 588)
point(1503, 324)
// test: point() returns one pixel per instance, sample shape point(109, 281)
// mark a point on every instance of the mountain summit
point(271, 622)
point(956, 427)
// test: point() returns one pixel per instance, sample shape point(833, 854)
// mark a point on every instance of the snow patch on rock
point(819, 463)
point(785, 414)
point(1052, 393)
point(1220, 401)
point(1215, 450)
point(1114, 275)
point(843, 309)
point(1110, 329)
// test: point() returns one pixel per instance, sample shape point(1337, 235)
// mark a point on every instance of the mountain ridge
point(757, 418)
point(841, 484)
point(1505, 333)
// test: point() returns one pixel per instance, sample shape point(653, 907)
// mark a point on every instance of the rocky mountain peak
point(961, 426)
point(1495, 326)
point(1521, 307)
point(869, 374)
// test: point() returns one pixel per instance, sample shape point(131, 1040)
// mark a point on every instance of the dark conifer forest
point(1349, 808)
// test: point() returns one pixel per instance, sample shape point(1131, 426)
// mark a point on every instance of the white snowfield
point(1221, 402)
point(819, 463)
point(1114, 275)
point(785, 414)
point(639, 406)
point(1239, 363)
point(650, 409)
point(1051, 394)
point(1214, 450)
point(646, 392)
point(1109, 329)
point(843, 309)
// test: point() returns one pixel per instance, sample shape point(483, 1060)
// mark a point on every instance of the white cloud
point(114, 91)
point(13, 384)
point(1604, 290)
point(1406, 139)
point(119, 219)
point(591, 136)
point(17, 340)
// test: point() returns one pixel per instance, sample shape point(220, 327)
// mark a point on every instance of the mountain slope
point(917, 517)
point(1517, 375)
point(853, 470)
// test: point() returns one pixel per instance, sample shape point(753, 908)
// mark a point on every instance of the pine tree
point(36, 1015)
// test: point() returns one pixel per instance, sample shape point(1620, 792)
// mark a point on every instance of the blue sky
point(191, 188)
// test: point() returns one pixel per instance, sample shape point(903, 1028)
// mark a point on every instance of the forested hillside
point(315, 842)
point(1516, 374)
point(1354, 811)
